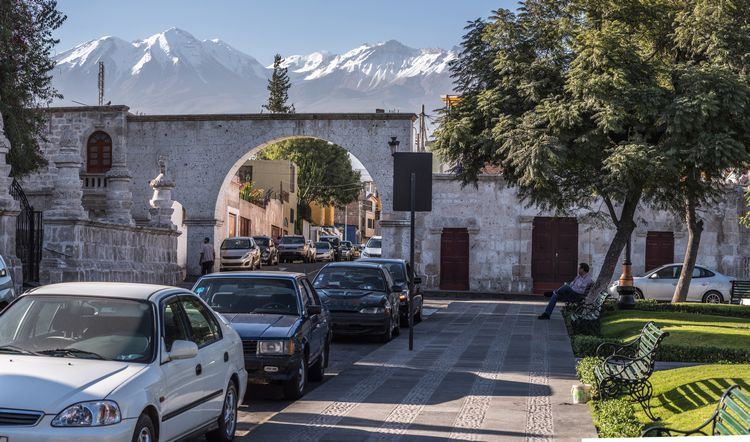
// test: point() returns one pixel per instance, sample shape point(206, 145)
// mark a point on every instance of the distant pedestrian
point(207, 257)
point(570, 293)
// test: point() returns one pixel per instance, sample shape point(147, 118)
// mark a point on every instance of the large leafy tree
point(324, 171)
point(278, 89)
point(25, 81)
point(585, 103)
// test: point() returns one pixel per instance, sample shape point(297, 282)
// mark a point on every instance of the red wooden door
point(554, 252)
point(659, 249)
point(454, 259)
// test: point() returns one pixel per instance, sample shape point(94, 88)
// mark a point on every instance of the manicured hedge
point(736, 311)
point(616, 418)
point(585, 371)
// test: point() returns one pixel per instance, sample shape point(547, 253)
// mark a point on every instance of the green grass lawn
point(685, 397)
point(684, 328)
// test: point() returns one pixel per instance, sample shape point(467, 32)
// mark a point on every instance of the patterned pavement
point(480, 370)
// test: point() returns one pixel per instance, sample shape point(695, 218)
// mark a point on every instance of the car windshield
point(249, 295)
point(292, 240)
point(235, 243)
point(373, 244)
point(79, 327)
point(263, 242)
point(322, 245)
point(351, 278)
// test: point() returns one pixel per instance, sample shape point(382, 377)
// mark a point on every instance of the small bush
point(731, 310)
point(584, 346)
point(616, 418)
point(585, 371)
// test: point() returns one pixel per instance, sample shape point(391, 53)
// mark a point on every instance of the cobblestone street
point(480, 370)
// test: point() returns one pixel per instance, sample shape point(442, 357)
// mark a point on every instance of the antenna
point(101, 83)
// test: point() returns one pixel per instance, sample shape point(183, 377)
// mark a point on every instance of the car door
point(182, 387)
point(318, 322)
point(213, 357)
point(699, 284)
point(661, 284)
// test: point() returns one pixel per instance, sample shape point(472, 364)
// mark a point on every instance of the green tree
point(25, 81)
point(278, 89)
point(586, 103)
point(324, 172)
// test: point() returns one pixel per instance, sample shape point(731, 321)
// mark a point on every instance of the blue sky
point(262, 28)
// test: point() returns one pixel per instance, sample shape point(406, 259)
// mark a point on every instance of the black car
point(285, 329)
point(269, 254)
point(403, 275)
point(362, 298)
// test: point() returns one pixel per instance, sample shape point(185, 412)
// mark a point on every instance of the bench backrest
point(648, 343)
point(733, 414)
point(740, 290)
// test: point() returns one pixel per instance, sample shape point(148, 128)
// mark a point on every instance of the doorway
point(554, 252)
point(454, 259)
point(659, 249)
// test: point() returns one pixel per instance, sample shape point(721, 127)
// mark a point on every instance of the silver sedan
point(707, 286)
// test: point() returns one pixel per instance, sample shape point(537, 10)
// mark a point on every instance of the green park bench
point(731, 418)
point(740, 291)
point(584, 318)
point(628, 367)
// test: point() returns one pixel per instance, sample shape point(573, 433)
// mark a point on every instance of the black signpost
point(412, 171)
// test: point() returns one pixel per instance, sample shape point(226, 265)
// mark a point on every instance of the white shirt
point(580, 284)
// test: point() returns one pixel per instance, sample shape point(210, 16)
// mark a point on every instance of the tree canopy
point(25, 80)
point(278, 89)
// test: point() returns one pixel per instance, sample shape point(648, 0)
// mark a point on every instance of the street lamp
point(625, 288)
point(393, 144)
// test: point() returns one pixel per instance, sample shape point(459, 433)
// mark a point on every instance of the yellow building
point(322, 216)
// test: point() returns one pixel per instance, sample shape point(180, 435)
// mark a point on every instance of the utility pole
point(422, 135)
point(101, 83)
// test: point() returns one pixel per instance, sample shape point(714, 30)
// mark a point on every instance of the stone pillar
point(8, 212)
point(119, 197)
point(161, 203)
point(67, 192)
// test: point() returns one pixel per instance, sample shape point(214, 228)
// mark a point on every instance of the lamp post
point(393, 144)
point(625, 288)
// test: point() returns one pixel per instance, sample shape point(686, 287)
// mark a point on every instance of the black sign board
point(404, 164)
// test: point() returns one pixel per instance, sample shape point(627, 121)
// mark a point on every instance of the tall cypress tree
point(25, 80)
point(278, 89)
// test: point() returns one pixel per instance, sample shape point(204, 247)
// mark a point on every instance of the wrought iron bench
point(571, 306)
point(731, 418)
point(628, 367)
point(740, 291)
point(585, 317)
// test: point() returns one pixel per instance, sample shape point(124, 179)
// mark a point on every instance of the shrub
point(584, 346)
point(616, 418)
point(732, 310)
point(585, 371)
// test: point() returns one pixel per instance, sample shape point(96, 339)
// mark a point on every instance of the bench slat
point(730, 423)
point(740, 413)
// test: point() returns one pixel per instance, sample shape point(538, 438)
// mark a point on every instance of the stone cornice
point(110, 226)
point(275, 117)
point(115, 108)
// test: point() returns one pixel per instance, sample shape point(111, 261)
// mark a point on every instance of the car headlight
point(275, 347)
point(373, 310)
point(88, 414)
point(3, 273)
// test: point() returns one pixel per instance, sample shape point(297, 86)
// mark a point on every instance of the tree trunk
point(624, 228)
point(695, 229)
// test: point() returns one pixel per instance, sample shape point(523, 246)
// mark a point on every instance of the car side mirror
point(654, 276)
point(397, 288)
point(417, 280)
point(183, 350)
point(314, 309)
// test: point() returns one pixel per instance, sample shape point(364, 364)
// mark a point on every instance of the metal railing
point(94, 181)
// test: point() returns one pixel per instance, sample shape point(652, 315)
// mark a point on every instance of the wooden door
point(554, 252)
point(659, 249)
point(454, 259)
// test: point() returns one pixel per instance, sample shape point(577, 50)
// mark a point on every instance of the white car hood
point(50, 384)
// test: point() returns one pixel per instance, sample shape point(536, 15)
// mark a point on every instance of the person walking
point(570, 293)
point(207, 257)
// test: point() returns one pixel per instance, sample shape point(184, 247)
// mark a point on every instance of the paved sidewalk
point(480, 370)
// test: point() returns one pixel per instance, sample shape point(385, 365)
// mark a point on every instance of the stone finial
point(161, 202)
point(67, 192)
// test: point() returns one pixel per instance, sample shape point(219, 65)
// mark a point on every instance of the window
point(311, 291)
point(99, 153)
point(291, 215)
point(232, 225)
point(369, 223)
point(174, 329)
point(291, 178)
point(244, 226)
point(203, 327)
point(306, 295)
point(671, 272)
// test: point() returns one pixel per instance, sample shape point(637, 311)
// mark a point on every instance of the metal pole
point(411, 260)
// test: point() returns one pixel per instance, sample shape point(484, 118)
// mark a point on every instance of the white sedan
point(117, 362)
point(706, 286)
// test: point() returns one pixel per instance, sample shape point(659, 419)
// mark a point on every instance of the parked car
point(373, 247)
point(362, 298)
point(7, 288)
point(402, 275)
point(335, 242)
point(117, 362)
point(293, 248)
point(240, 253)
point(324, 251)
point(345, 251)
point(707, 286)
point(285, 330)
point(269, 254)
point(311, 251)
point(353, 248)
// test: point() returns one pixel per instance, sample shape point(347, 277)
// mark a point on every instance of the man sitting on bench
point(570, 293)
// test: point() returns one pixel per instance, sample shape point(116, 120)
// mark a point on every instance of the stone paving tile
point(482, 371)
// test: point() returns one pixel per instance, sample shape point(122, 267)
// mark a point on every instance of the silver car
point(707, 286)
point(240, 253)
point(7, 290)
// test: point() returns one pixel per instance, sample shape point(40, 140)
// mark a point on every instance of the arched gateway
point(203, 152)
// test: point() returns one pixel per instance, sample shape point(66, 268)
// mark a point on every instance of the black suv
point(284, 327)
point(402, 275)
point(269, 254)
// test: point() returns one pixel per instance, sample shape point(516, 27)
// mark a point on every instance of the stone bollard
point(161, 202)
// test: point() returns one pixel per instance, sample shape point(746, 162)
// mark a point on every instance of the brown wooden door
point(554, 252)
point(659, 249)
point(454, 259)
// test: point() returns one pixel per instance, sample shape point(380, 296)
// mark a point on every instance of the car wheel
point(638, 294)
point(228, 417)
point(318, 370)
point(144, 430)
point(388, 335)
point(294, 388)
point(418, 315)
point(713, 297)
point(397, 329)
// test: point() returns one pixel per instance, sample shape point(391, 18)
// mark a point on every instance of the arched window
point(99, 153)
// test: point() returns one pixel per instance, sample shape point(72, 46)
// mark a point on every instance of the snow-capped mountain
point(173, 72)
